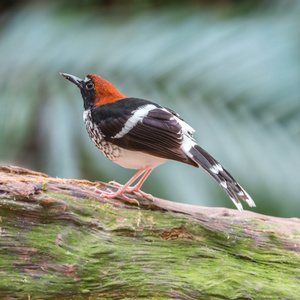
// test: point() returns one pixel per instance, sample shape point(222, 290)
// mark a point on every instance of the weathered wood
point(61, 240)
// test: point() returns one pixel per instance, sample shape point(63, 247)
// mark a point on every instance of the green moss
point(44, 188)
point(87, 249)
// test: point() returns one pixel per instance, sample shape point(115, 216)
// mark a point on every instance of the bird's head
point(95, 90)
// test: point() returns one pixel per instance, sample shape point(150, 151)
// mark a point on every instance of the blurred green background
point(230, 68)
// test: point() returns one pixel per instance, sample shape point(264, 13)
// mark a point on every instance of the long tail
point(224, 179)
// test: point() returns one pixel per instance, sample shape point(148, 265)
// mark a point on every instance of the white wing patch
point(187, 133)
point(185, 127)
point(186, 130)
point(137, 116)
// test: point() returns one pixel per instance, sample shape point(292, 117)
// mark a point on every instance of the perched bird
point(139, 134)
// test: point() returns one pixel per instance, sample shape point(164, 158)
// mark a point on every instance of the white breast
point(137, 160)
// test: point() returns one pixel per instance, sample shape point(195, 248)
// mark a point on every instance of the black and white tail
point(224, 179)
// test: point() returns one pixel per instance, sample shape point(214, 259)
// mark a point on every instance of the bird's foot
point(114, 183)
point(146, 195)
point(119, 193)
point(132, 189)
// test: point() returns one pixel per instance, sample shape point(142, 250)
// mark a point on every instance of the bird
point(139, 134)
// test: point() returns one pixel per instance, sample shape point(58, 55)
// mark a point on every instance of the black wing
point(157, 133)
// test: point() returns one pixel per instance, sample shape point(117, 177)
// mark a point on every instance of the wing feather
point(157, 133)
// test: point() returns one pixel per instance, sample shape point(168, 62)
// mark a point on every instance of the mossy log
point(61, 240)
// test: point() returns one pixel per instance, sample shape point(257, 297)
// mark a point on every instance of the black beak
point(74, 79)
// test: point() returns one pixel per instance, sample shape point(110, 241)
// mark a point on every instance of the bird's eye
point(90, 85)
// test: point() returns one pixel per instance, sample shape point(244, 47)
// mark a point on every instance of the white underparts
point(137, 160)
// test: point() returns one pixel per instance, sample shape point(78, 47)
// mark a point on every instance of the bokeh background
point(230, 68)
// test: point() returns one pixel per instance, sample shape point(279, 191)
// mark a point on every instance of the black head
point(86, 86)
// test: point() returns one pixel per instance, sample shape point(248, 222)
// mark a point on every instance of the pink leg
point(122, 189)
point(137, 187)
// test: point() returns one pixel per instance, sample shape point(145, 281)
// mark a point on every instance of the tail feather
point(224, 179)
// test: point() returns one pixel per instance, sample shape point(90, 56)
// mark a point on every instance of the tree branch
point(61, 239)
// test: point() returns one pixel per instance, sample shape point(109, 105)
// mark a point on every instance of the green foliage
point(234, 76)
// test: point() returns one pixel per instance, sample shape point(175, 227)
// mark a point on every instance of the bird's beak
point(73, 79)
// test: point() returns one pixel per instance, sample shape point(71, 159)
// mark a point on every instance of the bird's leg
point(128, 188)
point(123, 188)
point(137, 187)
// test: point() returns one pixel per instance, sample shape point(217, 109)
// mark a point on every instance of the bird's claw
point(120, 193)
point(145, 195)
point(115, 183)
point(131, 190)
point(110, 194)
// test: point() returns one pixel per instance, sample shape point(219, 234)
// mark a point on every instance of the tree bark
point(61, 240)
